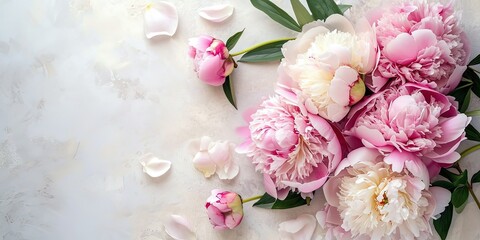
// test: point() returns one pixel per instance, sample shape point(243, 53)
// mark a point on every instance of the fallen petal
point(178, 227)
point(153, 166)
point(301, 228)
point(217, 13)
point(204, 164)
point(160, 19)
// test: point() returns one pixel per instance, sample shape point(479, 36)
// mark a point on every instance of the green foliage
point(460, 196)
point(229, 93)
point(276, 13)
point(442, 224)
point(475, 61)
point(472, 133)
point(322, 9)
point(301, 13)
point(292, 200)
point(265, 53)
point(232, 41)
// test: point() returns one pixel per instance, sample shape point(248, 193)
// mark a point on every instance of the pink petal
point(209, 70)
point(220, 153)
point(415, 166)
point(301, 228)
point(216, 217)
point(316, 179)
point(217, 13)
point(453, 128)
point(269, 185)
point(179, 228)
point(397, 160)
point(160, 19)
point(424, 38)
point(204, 164)
point(442, 198)
point(358, 155)
point(201, 43)
point(330, 190)
point(402, 49)
point(373, 136)
point(341, 84)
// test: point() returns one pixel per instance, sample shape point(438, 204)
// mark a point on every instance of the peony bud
point(224, 209)
point(357, 91)
point(211, 59)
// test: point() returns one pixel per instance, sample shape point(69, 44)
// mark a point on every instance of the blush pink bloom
point(409, 123)
point(420, 42)
point(224, 209)
point(366, 199)
point(294, 150)
point(211, 59)
point(324, 64)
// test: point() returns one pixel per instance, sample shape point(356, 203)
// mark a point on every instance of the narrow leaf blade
point(460, 196)
point(232, 41)
point(472, 133)
point(322, 9)
point(266, 53)
point(276, 13)
point(444, 184)
point(476, 177)
point(301, 13)
point(472, 75)
point(229, 93)
point(292, 200)
point(344, 7)
point(442, 224)
point(475, 61)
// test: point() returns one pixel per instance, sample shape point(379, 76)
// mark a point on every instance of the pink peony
point(211, 59)
point(366, 199)
point(420, 42)
point(224, 209)
point(293, 149)
point(409, 123)
point(323, 66)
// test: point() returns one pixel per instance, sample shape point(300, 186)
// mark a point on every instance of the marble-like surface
point(83, 94)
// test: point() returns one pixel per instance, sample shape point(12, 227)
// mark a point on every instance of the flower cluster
point(373, 153)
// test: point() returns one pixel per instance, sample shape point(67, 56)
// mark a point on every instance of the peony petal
point(218, 13)
point(330, 190)
point(362, 154)
point(424, 38)
point(442, 198)
point(453, 128)
point(269, 185)
point(301, 228)
point(179, 228)
point(397, 52)
point(204, 164)
point(160, 19)
point(220, 153)
point(372, 136)
point(341, 84)
point(415, 166)
point(209, 70)
point(397, 159)
point(153, 166)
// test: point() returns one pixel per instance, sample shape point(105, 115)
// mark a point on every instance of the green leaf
point(462, 95)
point(292, 200)
point(459, 196)
point(276, 13)
point(321, 9)
point(476, 177)
point(229, 93)
point(265, 53)
point(472, 133)
point(344, 7)
point(301, 13)
point(475, 61)
point(456, 179)
point(442, 224)
point(472, 75)
point(444, 184)
point(232, 41)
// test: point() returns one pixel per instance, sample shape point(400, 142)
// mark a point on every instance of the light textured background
point(83, 94)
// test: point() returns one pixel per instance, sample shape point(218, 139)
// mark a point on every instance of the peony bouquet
point(367, 112)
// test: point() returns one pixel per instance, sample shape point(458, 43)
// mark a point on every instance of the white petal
point(220, 152)
point(178, 227)
point(301, 228)
point(204, 163)
point(228, 172)
point(217, 13)
point(153, 166)
point(160, 19)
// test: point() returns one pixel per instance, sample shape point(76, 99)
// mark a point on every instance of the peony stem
point(468, 151)
point(475, 113)
point(251, 199)
point(259, 45)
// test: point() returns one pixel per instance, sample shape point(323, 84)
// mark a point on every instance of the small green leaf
point(459, 196)
point(475, 61)
point(265, 53)
point(322, 9)
point(229, 93)
point(292, 200)
point(232, 41)
point(442, 224)
point(472, 75)
point(344, 7)
point(301, 13)
point(476, 177)
point(472, 133)
point(444, 184)
point(462, 96)
point(456, 179)
point(276, 13)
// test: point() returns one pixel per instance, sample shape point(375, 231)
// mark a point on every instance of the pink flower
point(211, 59)
point(224, 209)
point(294, 150)
point(409, 123)
point(420, 42)
point(324, 64)
point(366, 199)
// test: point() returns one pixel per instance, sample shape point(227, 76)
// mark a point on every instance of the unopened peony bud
point(357, 91)
point(224, 209)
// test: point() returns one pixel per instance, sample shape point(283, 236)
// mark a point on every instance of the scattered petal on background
point(160, 19)
point(215, 157)
point(153, 166)
point(301, 228)
point(204, 163)
point(179, 228)
point(217, 13)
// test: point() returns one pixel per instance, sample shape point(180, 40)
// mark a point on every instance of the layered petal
point(160, 19)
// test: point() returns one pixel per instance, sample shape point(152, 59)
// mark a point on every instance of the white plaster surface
point(84, 94)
